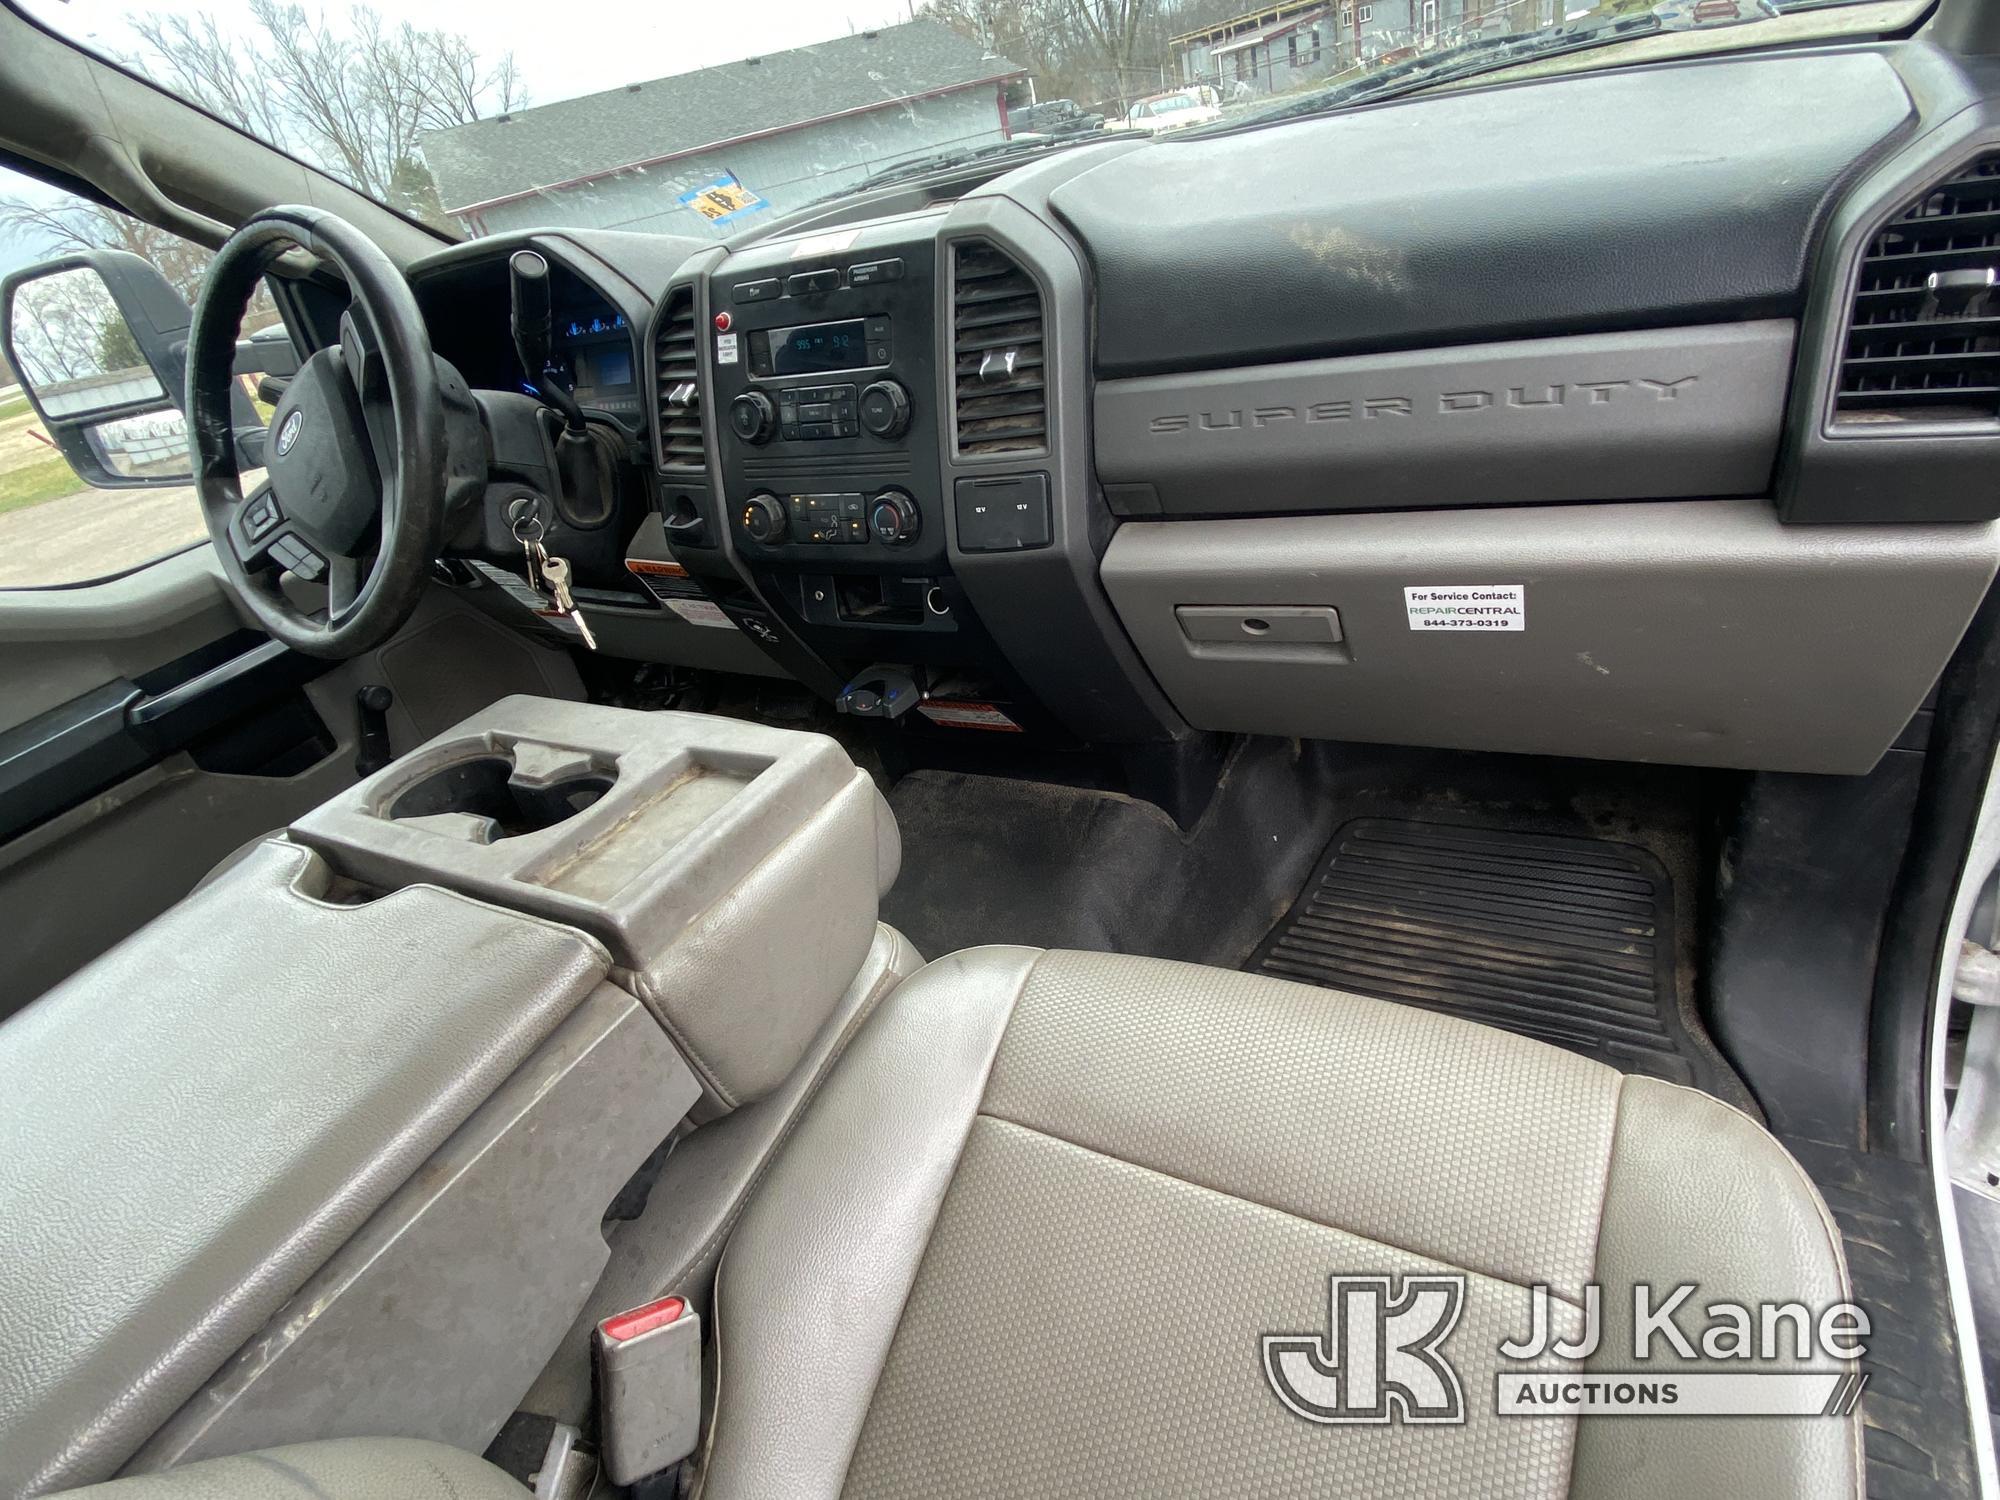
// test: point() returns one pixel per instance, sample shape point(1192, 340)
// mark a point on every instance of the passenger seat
point(1029, 1237)
point(338, 1469)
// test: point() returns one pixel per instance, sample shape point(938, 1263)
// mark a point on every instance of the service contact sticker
point(1468, 606)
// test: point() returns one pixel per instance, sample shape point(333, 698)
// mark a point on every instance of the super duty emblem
point(1448, 403)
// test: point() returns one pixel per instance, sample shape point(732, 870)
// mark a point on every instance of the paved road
point(95, 533)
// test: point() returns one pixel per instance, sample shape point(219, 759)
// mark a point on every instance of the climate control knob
point(893, 519)
point(764, 518)
point(753, 417)
point(885, 409)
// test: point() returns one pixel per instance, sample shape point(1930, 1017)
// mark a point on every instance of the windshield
point(706, 119)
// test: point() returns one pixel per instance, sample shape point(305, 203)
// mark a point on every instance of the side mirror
point(99, 340)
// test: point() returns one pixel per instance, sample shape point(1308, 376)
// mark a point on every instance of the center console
point(684, 843)
point(902, 514)
point(825, 369)
point(411, 1067)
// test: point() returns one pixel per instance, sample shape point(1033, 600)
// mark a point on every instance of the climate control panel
point(890, 518)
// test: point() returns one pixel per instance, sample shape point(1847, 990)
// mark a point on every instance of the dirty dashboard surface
point(1648, 443)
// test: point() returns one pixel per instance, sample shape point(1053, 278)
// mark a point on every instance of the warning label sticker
point(966, 715)
point(1468, 606)
point(726, 349)
point(701, 612)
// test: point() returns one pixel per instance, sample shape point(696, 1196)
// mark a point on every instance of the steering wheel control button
point(813, 283)
point(299, 558)
point(1008, 514)
point(752, 417)
point(764, 519)
point(260, 517)
point(894, 519)
point(885, 410)
point(870, 272)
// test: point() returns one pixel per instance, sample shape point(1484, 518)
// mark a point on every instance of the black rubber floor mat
point(1568, 940)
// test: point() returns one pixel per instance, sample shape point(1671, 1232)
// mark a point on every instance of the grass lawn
point(32, 483)
point(13, 406)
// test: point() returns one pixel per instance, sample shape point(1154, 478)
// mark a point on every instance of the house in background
point(702, 152)
point(1290, 45)
point(1265, 51)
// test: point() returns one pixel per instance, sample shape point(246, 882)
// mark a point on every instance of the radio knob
point(753, 417)
point(894, 519)
point(885, 409)
point(764, 518)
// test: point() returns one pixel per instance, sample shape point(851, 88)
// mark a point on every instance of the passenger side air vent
point(676, 373)
point(1924, 340)
point(999, 400)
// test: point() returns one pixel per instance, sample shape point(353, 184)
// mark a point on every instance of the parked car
point(1055, 117)
point(1197, 105)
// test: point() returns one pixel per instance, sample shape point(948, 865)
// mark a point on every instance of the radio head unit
point(821, 348)
point(825, 389)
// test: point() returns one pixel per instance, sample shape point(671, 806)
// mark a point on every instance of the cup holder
point(486, 788)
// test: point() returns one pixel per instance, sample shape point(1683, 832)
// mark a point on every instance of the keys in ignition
point(555, 582)
point(528, 531)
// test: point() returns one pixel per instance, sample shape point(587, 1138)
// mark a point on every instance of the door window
point(55, 528)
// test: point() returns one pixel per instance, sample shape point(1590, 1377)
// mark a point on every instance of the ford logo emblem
point(289, 433)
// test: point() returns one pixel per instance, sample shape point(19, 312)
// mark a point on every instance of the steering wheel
point(356, 452)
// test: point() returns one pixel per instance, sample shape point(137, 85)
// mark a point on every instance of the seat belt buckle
point(648, 1388)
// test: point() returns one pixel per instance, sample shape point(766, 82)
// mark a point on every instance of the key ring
point(529, 529)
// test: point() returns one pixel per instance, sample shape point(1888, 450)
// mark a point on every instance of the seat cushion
point(1030, 1237)
point(340, 1469)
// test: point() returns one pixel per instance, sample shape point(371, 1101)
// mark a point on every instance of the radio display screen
point(818, 346)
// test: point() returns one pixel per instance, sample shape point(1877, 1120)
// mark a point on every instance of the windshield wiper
point(1468, 60)
point(967, 156)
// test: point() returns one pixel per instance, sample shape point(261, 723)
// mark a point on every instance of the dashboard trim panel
point(1650, 415)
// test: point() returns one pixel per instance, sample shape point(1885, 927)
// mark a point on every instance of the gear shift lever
point(533, 320)
point(583, 465)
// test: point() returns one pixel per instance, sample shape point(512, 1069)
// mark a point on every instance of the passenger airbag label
point(1468, 606)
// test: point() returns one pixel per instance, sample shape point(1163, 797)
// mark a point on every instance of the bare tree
point(1114, 31)
point(352, 94)
point(1094, 50)
point(78, 225)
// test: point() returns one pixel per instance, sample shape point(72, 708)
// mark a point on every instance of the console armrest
point(731, 869)
point(197, 1121)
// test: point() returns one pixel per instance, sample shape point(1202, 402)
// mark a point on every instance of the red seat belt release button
point(649, 1386)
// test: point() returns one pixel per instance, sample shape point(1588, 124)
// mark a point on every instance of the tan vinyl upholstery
point(1027, 1239)
point(338, 1469)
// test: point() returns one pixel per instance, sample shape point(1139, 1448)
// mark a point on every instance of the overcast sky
point(625, 41)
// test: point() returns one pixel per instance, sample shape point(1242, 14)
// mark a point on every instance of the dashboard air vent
point(676, 375)
point(1924, 340)
point(999, 401)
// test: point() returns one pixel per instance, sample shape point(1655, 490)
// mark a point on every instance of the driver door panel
point(145, 735)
